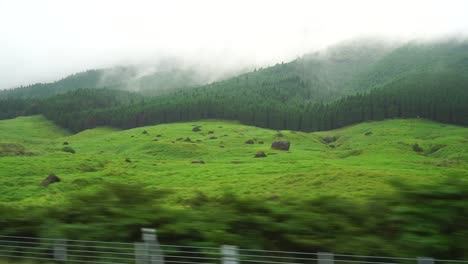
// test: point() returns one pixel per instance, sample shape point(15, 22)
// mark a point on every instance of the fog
point(46, 40)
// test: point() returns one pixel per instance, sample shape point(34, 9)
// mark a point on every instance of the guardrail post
point(325, 258)
point(230, 255)
point(152, 248)
point(60, 250)
point(425, 260)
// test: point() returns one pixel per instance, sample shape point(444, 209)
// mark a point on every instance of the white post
point(325, 258)
point(230, 255)
point(424, 260)
point(154, 253)
point(60, 250)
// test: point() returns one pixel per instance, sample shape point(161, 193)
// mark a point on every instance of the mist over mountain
point(351, 82)
point(149, 79)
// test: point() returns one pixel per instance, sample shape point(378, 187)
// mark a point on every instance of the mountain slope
point(344, 85)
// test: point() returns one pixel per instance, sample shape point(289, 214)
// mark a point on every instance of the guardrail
point(149, 251)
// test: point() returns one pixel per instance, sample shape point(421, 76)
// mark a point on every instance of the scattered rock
point(279, 134)
point(196, 129)
point(52, 178)
point(145, 132)
point(210, 132)
point(260, 154)
point(213, 137)
point(198, 162)
point(65, 143)
point(368, 133)
point(187, 139)
point(158, 135)
point(260, 142)
point(250, 141)
point(281, 145)
point(128, 160)
point(180, 139)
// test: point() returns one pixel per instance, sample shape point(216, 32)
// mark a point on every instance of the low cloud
point(46, 40)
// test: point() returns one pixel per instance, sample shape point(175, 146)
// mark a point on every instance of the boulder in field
point(281, 145)
point(196, 129)
point(250, 141)
point(52, 178)
point(260, 154)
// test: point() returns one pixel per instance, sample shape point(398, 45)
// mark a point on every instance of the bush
point(417, 148)
point(328, 139)
point(69, 150)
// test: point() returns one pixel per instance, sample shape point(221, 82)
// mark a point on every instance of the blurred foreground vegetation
point(427, 220)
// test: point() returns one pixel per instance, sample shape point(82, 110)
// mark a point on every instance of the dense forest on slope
point(341, 86)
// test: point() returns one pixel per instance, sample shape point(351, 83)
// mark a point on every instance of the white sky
point(49, 39)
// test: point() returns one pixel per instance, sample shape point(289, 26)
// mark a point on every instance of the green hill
point(354, 162)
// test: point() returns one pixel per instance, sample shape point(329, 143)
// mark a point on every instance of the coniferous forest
point(412, 81)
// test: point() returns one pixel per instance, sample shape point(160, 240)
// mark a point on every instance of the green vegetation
point(343, 163)
point(206, 191)
point(386, 187)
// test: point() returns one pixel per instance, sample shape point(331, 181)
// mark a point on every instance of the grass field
point(359, 162)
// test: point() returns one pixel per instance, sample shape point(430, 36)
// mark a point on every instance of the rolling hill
point(355, 162)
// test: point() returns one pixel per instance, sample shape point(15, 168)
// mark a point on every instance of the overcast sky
point(48, 39)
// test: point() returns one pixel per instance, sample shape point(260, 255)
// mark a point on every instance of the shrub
point(328, 139)
point(417, 148)
point(69, 150)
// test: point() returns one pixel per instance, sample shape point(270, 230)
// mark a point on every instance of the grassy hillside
point(357, 161)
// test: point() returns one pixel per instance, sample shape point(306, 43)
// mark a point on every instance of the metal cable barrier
point(48, 250)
